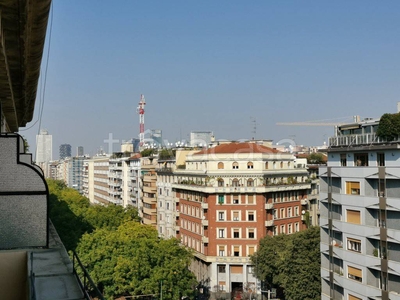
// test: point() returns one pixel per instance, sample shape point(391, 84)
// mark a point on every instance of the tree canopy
point(389, 126)
point(316, 158)
point(124, 257)
point(292, 263)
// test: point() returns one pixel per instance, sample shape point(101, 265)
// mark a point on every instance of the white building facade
point(360, 212)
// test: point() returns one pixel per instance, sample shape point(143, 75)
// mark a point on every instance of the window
point(221, 216)
point(236, 201)
point(289, 228)
point(236, 233)
point(381, 187)
point(167, 205)
point(235, 182)
point(296, 211)
point(266, 165)
point(282, 213)
point(220, 182)
point(353, 245)
point(221, 199)
point(361, 159)
point(221, 233)
point(250, 216)
point(250, 165)
point(250, 182)
point(235, 165)
point(160, 191)
point(236, 216)
point(251, 234)
point(221, 250)
point(352, 188)
point(251, 250)
point(354, 273)
point(381, 159)
point(289, 212)
point(275, 214)
point(236, 250)
point(250, 199)
point(282, 228)
point(221, 268)
point(343, 160)
point(281, 165)
point(296, 227)
point(353, 216)
point(220, 165)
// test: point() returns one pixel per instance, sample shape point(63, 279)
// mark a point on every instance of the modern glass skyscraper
point(65, 151)
point(44, 146)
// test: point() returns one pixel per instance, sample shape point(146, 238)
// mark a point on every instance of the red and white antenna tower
point(140, 111)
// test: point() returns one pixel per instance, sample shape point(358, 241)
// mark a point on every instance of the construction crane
point(140, 111)
point(320, 122)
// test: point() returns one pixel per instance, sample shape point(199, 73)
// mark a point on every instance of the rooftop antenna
point(254, 127)
point(140, 111)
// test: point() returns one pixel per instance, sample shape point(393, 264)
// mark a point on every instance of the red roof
point(238, 148)
point(136, 156)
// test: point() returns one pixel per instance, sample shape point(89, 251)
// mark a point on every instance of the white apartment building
point(44, 147)
point(134, 169)
point(360, 213)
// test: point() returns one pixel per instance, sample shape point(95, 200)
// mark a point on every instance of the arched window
point(266, 165)
point(250, 182)
point(235, 165)
point(250, 165)
point(220, 182)
point(235, 182)
point(220, 165)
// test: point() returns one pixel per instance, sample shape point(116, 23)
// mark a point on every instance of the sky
point(224, 66)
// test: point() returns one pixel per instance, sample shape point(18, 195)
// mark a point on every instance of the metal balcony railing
point(86, 283)
point(358, 139)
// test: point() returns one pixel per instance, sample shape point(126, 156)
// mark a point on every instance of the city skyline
point(224, 67)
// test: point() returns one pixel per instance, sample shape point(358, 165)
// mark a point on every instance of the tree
point(165, 154)
point(389, 126)
point(122, 256)
point(147, 152)
point(291, 263)
point(316, 158)
point(132, 260)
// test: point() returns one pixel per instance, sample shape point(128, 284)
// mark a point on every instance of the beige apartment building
point(148, 201)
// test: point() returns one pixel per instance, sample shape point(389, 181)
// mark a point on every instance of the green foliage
point(132, 260)
point(66, 210)
point(316, 158)
point(292, 263)
point(389, 126)
point(147, 152)
point(123, 257)
point(165, 154)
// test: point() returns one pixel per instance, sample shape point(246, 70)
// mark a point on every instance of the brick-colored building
point(229, 197)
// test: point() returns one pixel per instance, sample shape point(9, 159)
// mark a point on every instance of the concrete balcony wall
point(23, 199)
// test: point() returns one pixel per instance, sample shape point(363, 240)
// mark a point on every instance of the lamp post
point(161, 289)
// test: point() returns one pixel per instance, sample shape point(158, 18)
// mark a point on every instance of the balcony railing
point(269, 223)
point(358, 139)
point(86, 283)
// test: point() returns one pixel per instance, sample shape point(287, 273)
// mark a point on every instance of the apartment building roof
point(238, 148)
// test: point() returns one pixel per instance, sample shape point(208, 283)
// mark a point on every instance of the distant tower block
point(140, 111)
point(79, 151)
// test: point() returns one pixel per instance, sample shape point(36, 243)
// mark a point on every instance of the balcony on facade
point(269, 223)
point(164, 170)
point(237, 189)
point(269, 206)
point(359, 140)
